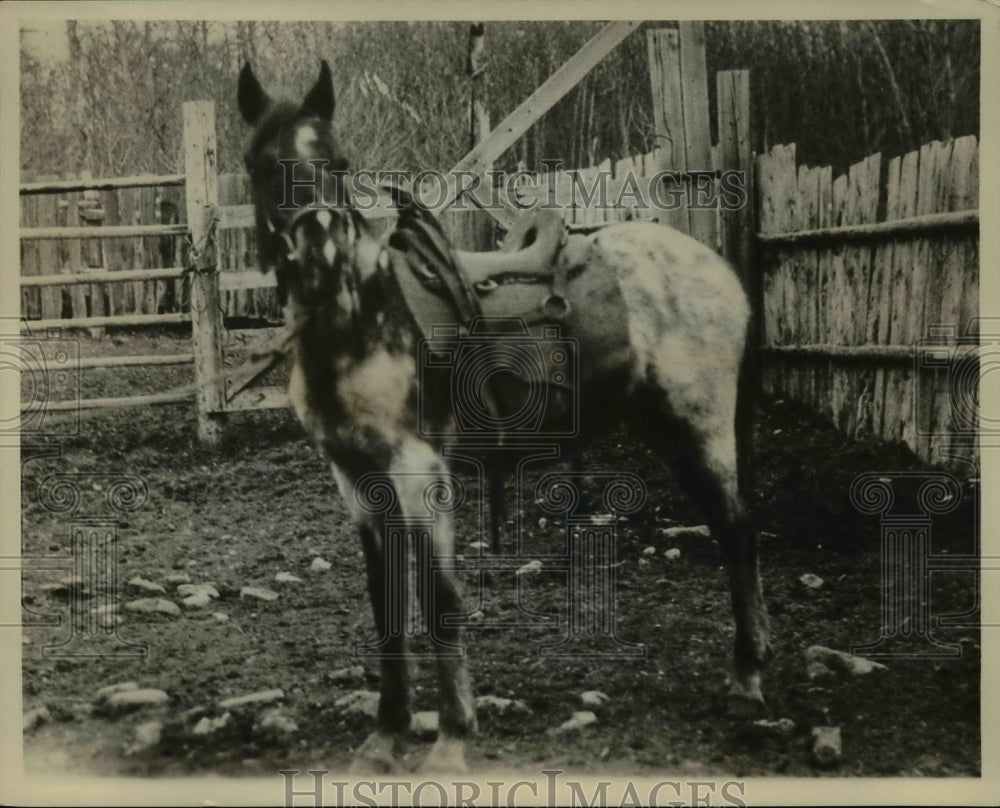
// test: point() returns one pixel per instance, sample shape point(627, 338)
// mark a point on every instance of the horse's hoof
point(377, 756)
point(447, 756)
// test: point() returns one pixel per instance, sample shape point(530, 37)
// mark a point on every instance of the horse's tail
point(747, 395)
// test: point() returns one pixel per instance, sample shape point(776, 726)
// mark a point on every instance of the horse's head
point(331, 257)
point(293, 159)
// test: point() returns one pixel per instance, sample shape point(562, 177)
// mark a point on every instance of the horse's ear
point(319, 101)
point(250, 96)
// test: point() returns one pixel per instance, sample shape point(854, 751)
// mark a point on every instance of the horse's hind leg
point(417, 467)
point(700, 446)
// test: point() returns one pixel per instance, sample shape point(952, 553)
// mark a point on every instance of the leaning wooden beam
point(121, 231)
point(115, 319)
point(880, 353)
point(506, 133)
point(109, 184)
point(912, 224)
point(133, 361)
point(102, 277)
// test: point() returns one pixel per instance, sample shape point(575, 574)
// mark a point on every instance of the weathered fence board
point(836, 298)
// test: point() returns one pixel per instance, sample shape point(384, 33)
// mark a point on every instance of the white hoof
point(447, 756)
point(377, 755)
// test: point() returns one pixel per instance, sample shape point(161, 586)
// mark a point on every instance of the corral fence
point(870, 294)
point(848, 274)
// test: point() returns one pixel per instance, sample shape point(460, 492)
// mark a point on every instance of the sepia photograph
point(453, 408)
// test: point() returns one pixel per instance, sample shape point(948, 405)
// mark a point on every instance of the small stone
point(824, 662)
point(353, 673)
point(649, 551)
point(276, 722)
point(579, 720)
point(602, 519)
point(810, 581)
point(154, 605)
point(530, 568)
point(178, 578)
point(543, 523)
point(424, 725)
point(55, 590)
point(134, 699)
point(258, 593)
point(187, 590)
point(147, 735)
point(206, 726)
point(477, 616)
point(80, 710)
point(593, 698)
point(672, 554)
point(686, 532)
point(320, 565)
point(287, 578)
point(199, 600)
point(220, 617)
point(107, 615)
point(359, 702)
point(142, 585)
point(260, 697)
point(826, 748)
point(501, 706)
point(644, 562)
point(477, 547)
point(783, 726)
point(37, 716)
point(109, 690)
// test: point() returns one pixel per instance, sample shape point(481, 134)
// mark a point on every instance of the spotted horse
point(660, 323)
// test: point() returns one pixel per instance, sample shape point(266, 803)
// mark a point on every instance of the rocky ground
point(243, 579)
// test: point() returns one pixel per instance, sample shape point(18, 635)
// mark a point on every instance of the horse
point(356, 389)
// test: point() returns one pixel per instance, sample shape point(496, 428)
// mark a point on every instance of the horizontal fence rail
point(168, 397)
point(69, 279)
point(114, 231)
point(915, 225)
point(114, 319)
point(107, 184)
point(131, 361)
point(878, 353)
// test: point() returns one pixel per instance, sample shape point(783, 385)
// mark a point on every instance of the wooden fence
point(121, 252)
point(871, 293)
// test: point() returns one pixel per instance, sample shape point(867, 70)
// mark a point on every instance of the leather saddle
point(535, 263)
point(542, 278)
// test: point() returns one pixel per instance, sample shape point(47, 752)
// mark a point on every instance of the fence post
point(202, 198)
point(679, 80)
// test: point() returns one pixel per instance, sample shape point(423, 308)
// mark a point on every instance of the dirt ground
point(265, 504)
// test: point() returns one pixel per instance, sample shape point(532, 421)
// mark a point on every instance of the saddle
point(542, 276)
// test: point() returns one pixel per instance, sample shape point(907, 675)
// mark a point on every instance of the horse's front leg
point(387, 589)
point(415, 468)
